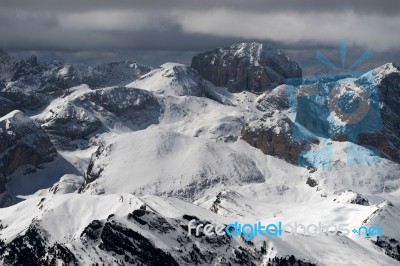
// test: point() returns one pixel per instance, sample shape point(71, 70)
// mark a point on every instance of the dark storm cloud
point(367, 6)
point(42, 36)
point(172, 28)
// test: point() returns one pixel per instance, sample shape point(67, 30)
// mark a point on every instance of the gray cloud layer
point(75, 26)
point(390, 7)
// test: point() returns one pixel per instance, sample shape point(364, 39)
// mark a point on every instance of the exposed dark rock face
point(277, 99)
point(22, 142)
point(276, 135)
point(93, 173)
point(288, 261)
point(19, 135)
point(391, 246)
point(360, 200)
point(124, 241)
point(58, 253)
point(93, 230)
point(7, 66)
point(31, 248)
point(311, 182)
point(387, 141)
point(25, 249)
point(349, 196)
point(6, 106)
point(251, 67)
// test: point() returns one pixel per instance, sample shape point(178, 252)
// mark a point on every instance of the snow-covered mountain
point(32, 84)
point(172, 79)
point(85, 112)
point(111, 166)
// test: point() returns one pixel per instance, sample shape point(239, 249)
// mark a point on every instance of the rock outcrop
point(251, 67)
point(387, 140)
point(86, 111)
point(6, 106)
point(22, 142)
point(7, 65)
point(276, 135)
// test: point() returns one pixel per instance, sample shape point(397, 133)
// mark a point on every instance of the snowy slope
point(156, 225)
point(186, 166)
point(178, 80)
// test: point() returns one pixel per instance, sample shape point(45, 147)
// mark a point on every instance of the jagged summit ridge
point(251, 67)
point(7, 65)
point(173, 79)
point(32, 83)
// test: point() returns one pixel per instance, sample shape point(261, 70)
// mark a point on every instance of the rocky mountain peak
point(253, 51)
point(388, 68)
point(3, 54)
point(18, 129)
point(7, 63)
point(22, 142)
point(32, 60)
point(251, 67)
point(378, 74)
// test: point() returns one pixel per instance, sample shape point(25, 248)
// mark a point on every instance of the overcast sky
point(155, 31)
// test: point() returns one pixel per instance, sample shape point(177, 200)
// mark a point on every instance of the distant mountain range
point(107, 164)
